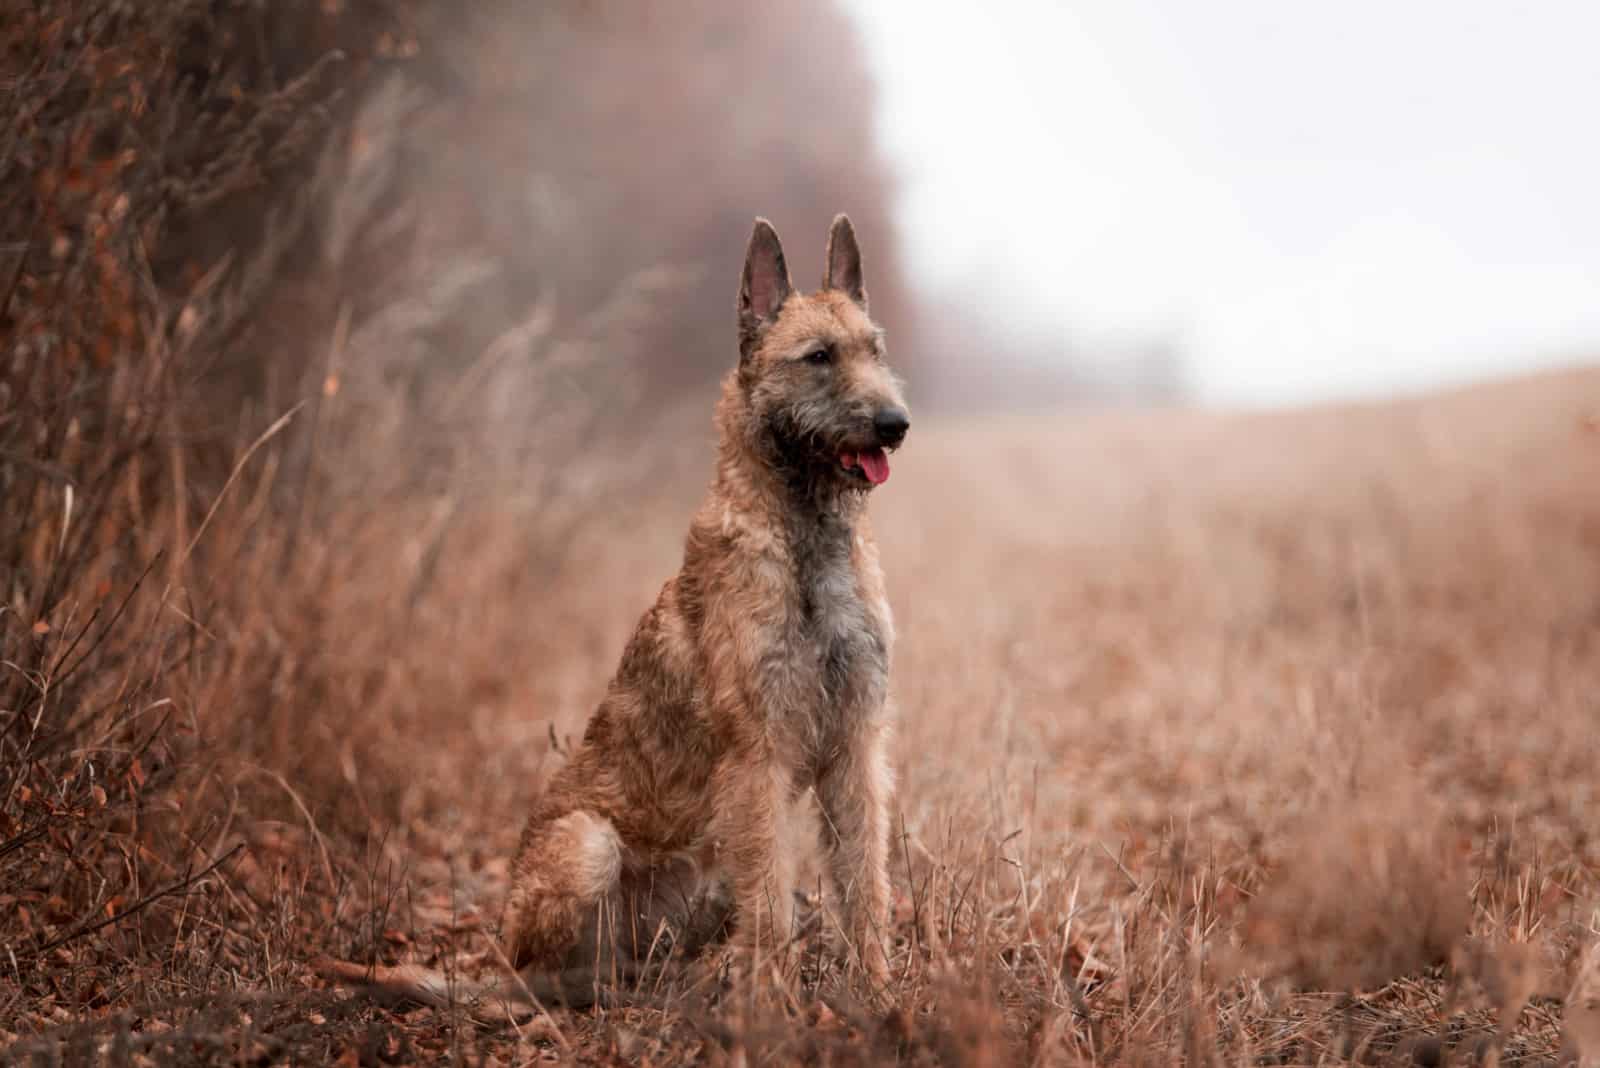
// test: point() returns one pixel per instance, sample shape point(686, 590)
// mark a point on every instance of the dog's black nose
point(891, 425)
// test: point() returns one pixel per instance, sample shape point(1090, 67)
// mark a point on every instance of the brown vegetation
point(1216, 733)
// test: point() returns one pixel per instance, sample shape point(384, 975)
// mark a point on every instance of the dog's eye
point(819, 357)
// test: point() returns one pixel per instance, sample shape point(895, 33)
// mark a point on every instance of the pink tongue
point(875, 465)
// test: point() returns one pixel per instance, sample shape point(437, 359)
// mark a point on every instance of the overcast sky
point(1314, 200)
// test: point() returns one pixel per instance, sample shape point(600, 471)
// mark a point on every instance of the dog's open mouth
point(871, 464)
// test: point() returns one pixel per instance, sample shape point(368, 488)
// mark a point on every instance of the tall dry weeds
point(130, 124)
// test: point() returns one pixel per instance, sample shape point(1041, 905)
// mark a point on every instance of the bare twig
point(137, 907)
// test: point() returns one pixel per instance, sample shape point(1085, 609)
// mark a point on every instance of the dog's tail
point(503, 993)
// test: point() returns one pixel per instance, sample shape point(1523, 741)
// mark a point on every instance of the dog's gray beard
point(809, 468)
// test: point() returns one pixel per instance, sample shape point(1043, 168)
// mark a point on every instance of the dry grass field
point(1220, 733)
point(354, 401)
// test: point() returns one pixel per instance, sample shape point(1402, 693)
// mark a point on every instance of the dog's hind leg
point(568, 865)
point(637, 921)
point(669, 905)
point(652, 913)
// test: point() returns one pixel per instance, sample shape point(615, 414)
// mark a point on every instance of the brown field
point(1218, 733)
point(354, 398)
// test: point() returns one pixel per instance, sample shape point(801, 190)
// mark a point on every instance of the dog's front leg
point(854, 792)
point(749, 833)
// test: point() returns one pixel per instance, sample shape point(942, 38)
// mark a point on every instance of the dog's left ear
point(844, 262)
point(764, 286)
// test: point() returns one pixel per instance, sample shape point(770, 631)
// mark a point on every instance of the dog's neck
point(753, 470)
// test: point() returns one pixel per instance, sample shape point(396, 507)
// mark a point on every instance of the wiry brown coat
point(760, 673)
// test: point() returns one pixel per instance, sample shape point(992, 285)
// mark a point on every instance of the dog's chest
point(842, 637)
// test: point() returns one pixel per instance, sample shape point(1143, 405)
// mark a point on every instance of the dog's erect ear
point(844, 261)
point(765, 285)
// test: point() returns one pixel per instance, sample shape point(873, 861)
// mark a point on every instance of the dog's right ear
point(844, 262)
point(764, 287)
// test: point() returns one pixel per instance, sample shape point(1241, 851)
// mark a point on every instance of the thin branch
point(138, 906)
point(266, 436)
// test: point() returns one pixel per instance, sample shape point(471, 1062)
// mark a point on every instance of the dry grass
point(1301, 695)
point(1219, 732)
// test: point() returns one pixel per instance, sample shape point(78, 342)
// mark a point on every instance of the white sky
point(1313, 200)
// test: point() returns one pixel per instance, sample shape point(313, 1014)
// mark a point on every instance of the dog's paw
point(873, 962)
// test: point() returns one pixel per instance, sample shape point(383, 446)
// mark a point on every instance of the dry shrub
point(133, 124)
